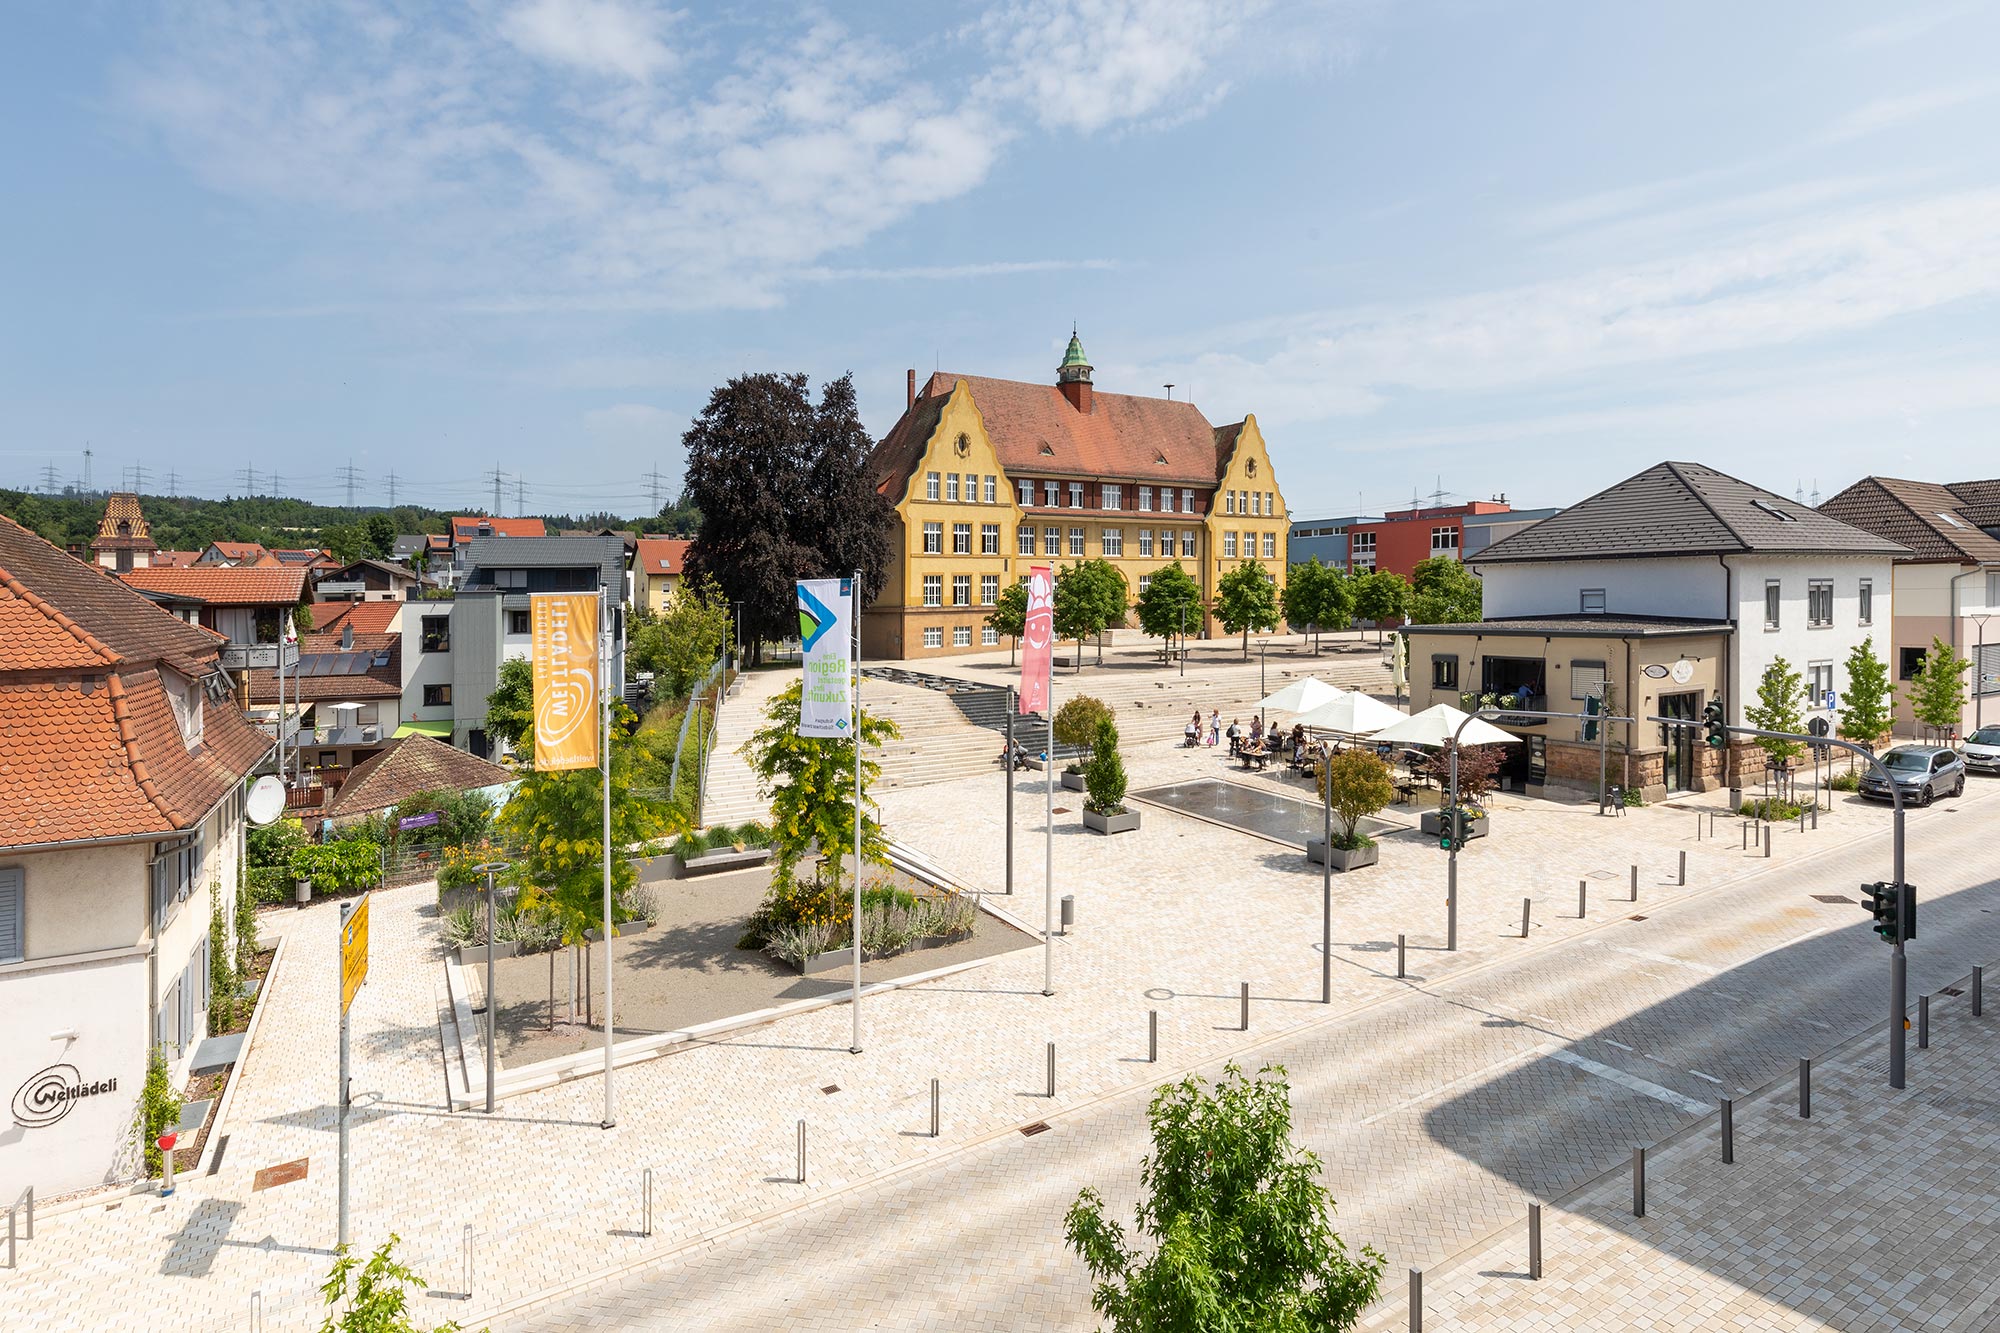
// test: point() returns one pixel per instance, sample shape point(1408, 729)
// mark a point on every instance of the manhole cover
point(1062, 810)
point(1039, 1127)
point(1951, 990)
point(1637, 918)
point(830, 1089)
point(282, 1174)
point(1601, 874)
point(1832, 898)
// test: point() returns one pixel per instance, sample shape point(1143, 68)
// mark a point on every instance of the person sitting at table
point(1298, 736)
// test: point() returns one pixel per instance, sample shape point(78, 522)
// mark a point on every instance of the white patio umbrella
point(1353, 714)
point(1303, 694)
point(1436, 725)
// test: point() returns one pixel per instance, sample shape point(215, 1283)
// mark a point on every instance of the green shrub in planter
point(1104, 775)
point(1356, 783)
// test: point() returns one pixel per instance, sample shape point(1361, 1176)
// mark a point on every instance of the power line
point(655, 483)
point(520, 496)
point(498, 477)
point(249, 481)
point(173, 483)
point(392, 489)
point(347, 474)
point(137, 475)
point(51, 478)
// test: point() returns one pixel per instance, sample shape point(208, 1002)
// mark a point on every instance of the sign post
point(353, 972)
point(830, 707)
point(1037, 691)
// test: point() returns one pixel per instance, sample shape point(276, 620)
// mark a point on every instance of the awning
point(440, 729)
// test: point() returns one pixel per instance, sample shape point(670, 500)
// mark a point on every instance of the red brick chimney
point(913, 390)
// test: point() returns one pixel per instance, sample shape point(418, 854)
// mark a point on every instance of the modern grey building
point(1482, 530)
point(1325, 538)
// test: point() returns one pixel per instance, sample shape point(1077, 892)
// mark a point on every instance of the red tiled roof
point(465, 529)
point(224, 585)
point(364, 617)
point(238, 550)
point(92, 748)
point(323, 679)
point(662, 555)
point(407, 766)
point(173, 559)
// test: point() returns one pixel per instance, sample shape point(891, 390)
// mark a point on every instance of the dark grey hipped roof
point(607, 553)
point(1683, 509)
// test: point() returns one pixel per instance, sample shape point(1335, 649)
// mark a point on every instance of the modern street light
point(489, 869)
point(1183, 606)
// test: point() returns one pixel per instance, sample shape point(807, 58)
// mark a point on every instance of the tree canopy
point(1317, 597)
point(1009, 615)
point(784, 494)
point(810, 783)
point(1864, 707)
point(1171, 602)
point(1380, 597)
point(1443, 592)
point(1781, 694)
point(1239, 1226)
point(681, 642)
point(1937, 695)
point(1090, 596)
point(1246, 598)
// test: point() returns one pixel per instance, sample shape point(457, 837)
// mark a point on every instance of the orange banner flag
point(565, 662)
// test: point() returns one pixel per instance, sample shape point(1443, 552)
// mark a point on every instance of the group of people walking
point(1209, 731)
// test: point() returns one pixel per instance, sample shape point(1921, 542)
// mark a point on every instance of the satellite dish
point(265, 802)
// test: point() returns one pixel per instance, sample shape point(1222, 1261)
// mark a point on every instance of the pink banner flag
point(1038, 641)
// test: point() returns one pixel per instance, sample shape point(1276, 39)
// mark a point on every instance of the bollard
point(1923, 1022)
point(1684, 868)
point(1152, 1036)
point(1815, 813)
point(1728, 1130)
point(1068, 913)
point(1535, 1242)
point(646, 1202)
point(1052, 1069)
point(1582, 898)
point(1245, 1023)
point(1802, 821)
point(1638, 1182)
point(1746, 836)
point(1416, 1300)
point(1399, 958)
point(934, 1108)
point(1526, 905)
point(1697, 826)
point(1635, 884)
point(1805, 1088)
point(1767, 842)
point(802, 1152)
point(1978, 1000)
point(468, 1261)
point(257, 1312)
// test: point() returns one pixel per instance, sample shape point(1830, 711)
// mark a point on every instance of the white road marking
point(1408, 1102)
point(1668, 959)
point(1630, 1081)
point(1710, 1077)
point(1619, 1044)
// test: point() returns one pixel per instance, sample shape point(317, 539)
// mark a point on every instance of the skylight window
point(1949, 519)
point(1775, 512)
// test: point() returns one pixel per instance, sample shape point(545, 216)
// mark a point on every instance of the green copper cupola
point(1073, 376)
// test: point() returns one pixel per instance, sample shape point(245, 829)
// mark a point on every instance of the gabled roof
point(223, 585)
point(408, 766)
point(661, 555)
point(1981, 500)
point(1035, 430)
point(306, 556)
point(92, 747)
point(393, 571)
point(1675, 509)
point(237, 551)
point(363, 617)
point(172, 559)
point(1929, 519)
point(465, 529)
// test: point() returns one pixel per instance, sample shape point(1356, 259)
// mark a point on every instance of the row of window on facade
point(1819, 603)
point(961, 636)
point(1111, 541)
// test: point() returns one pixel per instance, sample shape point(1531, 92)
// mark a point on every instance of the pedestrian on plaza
point(1235, 736)
point(1191, 733)
point(1256, 733)
point(1214, 727)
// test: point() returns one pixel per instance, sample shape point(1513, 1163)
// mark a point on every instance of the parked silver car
point(1923, 772)
point(1982, 750)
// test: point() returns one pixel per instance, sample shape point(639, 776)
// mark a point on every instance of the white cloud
point(598, 36)
point(629, 421)
point(1889, 112)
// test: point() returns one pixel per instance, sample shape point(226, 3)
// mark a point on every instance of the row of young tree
point(1936, 696)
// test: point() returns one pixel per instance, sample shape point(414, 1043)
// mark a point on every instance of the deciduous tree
point(1246, 598)
point(1781, 695)
point(1170, 603)
point(1937, 695)
point(1443, 592)
point(1009, 615)
point(1090, 595)
point(1864, 707)
point(1381, 597)
point(810, 783)
point(1319, 597)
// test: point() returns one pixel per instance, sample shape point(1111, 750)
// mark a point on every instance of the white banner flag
point(826, 628)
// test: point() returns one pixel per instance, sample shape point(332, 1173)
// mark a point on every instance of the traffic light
point(1444, 840)
point(1895, 912)
point(1717, 725)
point(1590, 712)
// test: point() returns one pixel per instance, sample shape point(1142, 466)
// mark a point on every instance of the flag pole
point(854, 614)
point(1049, 843)
point(604, 664)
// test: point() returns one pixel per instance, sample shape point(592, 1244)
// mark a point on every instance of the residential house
point(123, 540)
point(990, 477)
point(407, 767)
point(346, 689)
point(656, 570)
point(122, 779)
point(173, 559)
point(247, 606)
point(1674, 587)
point(233, 553)
point(1947, 588)
point(367, 580)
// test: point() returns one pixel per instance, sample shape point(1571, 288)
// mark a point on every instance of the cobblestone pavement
point(1170, 918)
point(1439, 1114)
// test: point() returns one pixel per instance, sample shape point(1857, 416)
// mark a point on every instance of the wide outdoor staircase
point(732, 796)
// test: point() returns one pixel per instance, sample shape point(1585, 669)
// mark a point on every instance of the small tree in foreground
point(1937, 695)
point(1009, 616)
point(1357, 785)
point(1780, 706)
point(1104, 775)
point(378, 1303)
point(1864, 712)
point(1076, 722)
point(1240, 1225)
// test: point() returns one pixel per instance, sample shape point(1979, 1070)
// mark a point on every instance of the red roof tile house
point(123, 540)
point(122, 770)
point(656, 570)
point(991, 476)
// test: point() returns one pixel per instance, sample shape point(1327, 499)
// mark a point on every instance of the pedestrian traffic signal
point(1444, 841)
point(1717, 725)
point(1894, 910)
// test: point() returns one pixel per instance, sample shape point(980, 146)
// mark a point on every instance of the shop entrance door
point(1680, 741)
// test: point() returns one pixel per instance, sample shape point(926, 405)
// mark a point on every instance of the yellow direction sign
point(353, 952)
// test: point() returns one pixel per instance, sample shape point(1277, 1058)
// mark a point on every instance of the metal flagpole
point(1326, 880)
point(346, 1078)
point(1007, 770)
point(854, 614)
point(604, 664)
point(1049, 846)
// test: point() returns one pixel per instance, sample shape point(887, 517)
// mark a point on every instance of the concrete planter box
point(1431, 822)
point(653, 869)
point(1126, 822)
point(625, 929)
point(1343, 861)
point(1072, 781)
point(821, 963)
point(709, 863)
point(474, 955)
point(939, 941)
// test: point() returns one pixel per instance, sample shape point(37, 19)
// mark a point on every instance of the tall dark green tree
point(784, 494)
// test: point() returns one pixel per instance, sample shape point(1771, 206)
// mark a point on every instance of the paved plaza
point(1440, 1102)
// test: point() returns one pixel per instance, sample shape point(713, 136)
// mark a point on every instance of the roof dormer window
point(1775, 512)
point(186, 699)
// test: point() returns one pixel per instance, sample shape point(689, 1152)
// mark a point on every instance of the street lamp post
point(1262, 646)
point(1326, 877)
point(1183, 606)
point(489, 869)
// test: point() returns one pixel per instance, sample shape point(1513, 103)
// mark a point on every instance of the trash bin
point(1068, 912)
point(305, 892)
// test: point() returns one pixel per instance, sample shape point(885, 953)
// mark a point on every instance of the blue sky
point(1520, 248)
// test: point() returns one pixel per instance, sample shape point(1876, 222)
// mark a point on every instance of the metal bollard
point(1068, 913)
point(802, 1152)
point(1052, 1069)
point(1923, 1022)
point(1416, 1300)
point(1767, 842)
point(1805, 1088)
point(1399, 958)
point(1746, 836)
point(1815, 814)
point(1582, 898)
point(646, 1202)
point(1728, 1130)
point(257, 1312)
point(1245, 1023)
point(1638, 1182)
point(1152, 1036)
point(1635, 884)
point(1535, 1242)
point(1526, 905)
point(1978, 999)
point(1697, 826)
point(468, 1261)
point(1684, 868)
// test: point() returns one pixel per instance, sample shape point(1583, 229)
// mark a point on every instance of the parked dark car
point(1982, 751)
point(1923, 772)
